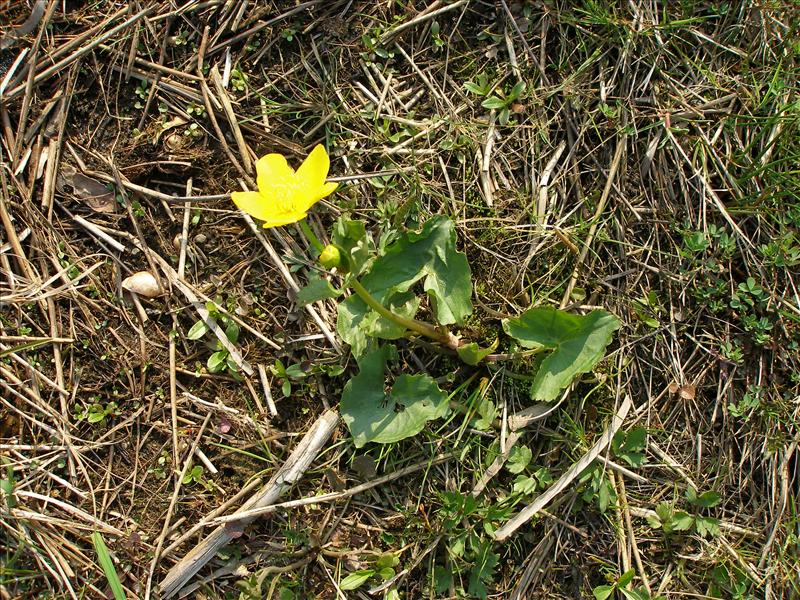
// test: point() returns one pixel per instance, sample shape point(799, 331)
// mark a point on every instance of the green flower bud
point(330, 257)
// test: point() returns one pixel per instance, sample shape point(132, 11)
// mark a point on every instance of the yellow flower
point(285, 195)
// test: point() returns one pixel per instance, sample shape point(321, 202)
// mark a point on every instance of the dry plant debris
point(641, 157)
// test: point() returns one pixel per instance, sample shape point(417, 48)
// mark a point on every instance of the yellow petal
point(308, 197)
point(325, 190)
point(284, 219)
point(253, 203)
point(314, 170)
point(274, 174)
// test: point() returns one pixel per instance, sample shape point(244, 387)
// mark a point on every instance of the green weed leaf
point(578, 343)
point(493, 102)
point(295, 371)
point(625, 578)
point(483, 570)
point(373, 416)
point(518, 459)
point(356, 323)
point(516, 91)
point(216, 362)
point(391, 594)
point(635, 594)
point(707, 526)
point(387, 560)
point(442, 579)
point(524, 485)
point(198, 330)
point(317, 289)
point(487, 412)
point(603, 592)
point(232, 332)
point(356, 580)
point(681, 521)
point(707, 499)
point(430, 254)
point(630, 446)
point(352, 237)
point(106, 562)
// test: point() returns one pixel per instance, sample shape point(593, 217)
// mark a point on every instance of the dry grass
point(650, 167)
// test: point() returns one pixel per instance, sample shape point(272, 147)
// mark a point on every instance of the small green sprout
point(504, 102)
point(220, 360)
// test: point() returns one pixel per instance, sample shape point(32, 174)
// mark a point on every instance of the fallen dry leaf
point(94, 193)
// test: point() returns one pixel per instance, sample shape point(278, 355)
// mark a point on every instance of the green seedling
point(195, 475)
point(286, 375)
point(382, 570)
point(671, 520)
point(504, 102)
point(438, 42)
point(604, 592)
point(95, 412)
point(239, 80)
point(289, 33)
point(220, 360)
point(141, 93)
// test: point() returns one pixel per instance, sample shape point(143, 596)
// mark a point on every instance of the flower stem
point(310, 235)
point(420, 327)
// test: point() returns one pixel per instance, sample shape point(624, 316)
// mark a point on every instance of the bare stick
point(227, 108)
point(333, 496)
point(294, 467)
point(262, 372)
point(429, 13)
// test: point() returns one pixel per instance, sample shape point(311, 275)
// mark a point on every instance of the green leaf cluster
point(383, 568)
point(669, 519)
point(596, 487)
point(630, 445)
point(429, 256)
point(604, 592)
point(468, 522)
point(387, 280)
point(220, 360)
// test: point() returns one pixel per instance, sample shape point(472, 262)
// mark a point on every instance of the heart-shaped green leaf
point(429, 255)
point(355, 322)
point(372, 415)
point(578, 344)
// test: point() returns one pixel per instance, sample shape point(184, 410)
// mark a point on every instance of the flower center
point(286, 196)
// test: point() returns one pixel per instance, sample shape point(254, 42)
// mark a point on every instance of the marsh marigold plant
point(284, 195)
point(385, 301)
